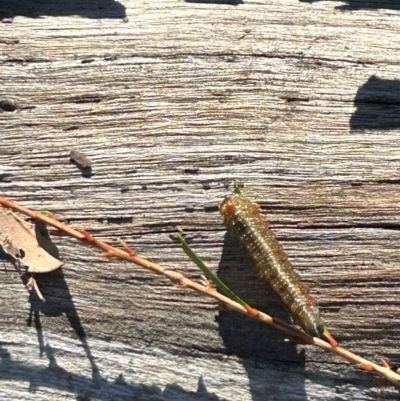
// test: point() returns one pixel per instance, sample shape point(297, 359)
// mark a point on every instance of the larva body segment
point(243, 220)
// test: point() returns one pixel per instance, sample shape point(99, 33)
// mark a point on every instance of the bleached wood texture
point(298, 101)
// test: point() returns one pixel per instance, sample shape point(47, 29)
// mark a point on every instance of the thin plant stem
point(183, 282)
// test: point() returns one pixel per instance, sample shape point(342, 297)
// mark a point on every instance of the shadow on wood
point(378, 105)
point(254, 342)
point(54, 8)
point(225, 2)
point(58, 301)
point(363, 5)
point(85, 389)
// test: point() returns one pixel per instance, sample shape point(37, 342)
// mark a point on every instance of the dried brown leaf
point(18, 239)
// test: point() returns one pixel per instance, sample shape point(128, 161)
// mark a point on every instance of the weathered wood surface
point(299, 101)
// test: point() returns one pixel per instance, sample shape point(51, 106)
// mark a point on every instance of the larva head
point(231, 206)
point(228, 206)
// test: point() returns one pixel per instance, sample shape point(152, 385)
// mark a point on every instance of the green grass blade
point(44, 212)
point(209, 274)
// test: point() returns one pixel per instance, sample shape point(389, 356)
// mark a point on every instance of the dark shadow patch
point(256, 343)
point(225, 2)
point(71, 128)
point(58, 302)
point(85, 389)
point(56, 8)
point(192, 170)
point(211, 208)
point(87, 60)
point(87, 98)
point(378, 105)
point(297, 99)
point(353, 5)
point(119, 220)
point(6, 177)
point(174, 392)
point(85, 171)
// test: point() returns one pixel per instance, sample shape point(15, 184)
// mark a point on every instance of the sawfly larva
point(244, 222)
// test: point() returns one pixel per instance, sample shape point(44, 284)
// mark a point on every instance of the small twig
point(182, 281)
point(32, 285)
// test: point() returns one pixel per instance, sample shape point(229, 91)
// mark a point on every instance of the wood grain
point(298, 101)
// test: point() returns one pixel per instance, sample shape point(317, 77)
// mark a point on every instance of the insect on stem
point(243, 220)
point(391, 375)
